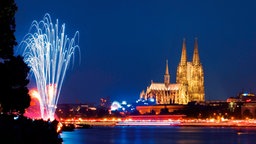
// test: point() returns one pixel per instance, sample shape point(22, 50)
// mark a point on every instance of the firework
point(48, 52)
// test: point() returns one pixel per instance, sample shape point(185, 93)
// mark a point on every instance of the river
point(160, 135)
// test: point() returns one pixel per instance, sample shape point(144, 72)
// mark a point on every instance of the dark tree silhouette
point(14, 95)
point(164, 111)
point(8, 9)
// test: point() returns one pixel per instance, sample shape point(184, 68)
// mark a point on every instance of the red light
point(248, 100)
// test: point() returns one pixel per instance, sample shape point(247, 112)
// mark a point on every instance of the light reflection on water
point(160, 135)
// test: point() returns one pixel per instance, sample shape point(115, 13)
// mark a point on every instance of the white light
point(152, 100)
point(115, 105)
point(124, 103)
point(15, 118)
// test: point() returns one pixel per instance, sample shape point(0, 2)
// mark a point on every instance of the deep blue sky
point(124, 43)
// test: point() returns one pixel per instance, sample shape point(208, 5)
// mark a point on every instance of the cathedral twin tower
point(189, 84)
point(191, 74)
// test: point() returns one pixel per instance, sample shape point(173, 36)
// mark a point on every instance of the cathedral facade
point(189, 84)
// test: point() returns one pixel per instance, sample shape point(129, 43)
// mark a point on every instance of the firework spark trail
point(48, 53)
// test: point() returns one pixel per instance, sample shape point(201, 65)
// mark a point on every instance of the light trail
point(48, 52)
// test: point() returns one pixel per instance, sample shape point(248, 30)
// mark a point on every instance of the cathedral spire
point(166, 68)
point(196, 59)
point(166, 75)
point(183, 59)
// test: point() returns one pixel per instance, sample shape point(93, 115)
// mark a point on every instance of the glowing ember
point(34, 109)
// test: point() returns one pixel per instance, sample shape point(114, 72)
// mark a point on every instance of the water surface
point(160, 135)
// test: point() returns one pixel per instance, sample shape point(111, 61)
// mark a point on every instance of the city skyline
point(124, 44)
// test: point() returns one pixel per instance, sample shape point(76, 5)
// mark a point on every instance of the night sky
point(124, 44)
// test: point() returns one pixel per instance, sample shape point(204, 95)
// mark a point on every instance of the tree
point(14, 95)
point(164, 111)
point(8, 9)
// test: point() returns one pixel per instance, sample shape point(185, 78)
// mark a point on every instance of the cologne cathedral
point(189, 84)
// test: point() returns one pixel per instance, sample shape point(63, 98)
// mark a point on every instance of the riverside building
point(189, 84)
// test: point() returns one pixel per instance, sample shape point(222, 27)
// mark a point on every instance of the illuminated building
point(189, 84)
point(243, 97)
point(245, 102)
point(157, 108)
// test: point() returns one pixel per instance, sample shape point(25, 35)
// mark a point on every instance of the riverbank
point(22, 130)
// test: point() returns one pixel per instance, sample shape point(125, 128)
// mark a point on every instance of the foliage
point(22, 130)
point(8, 9)
point(164, 111)
point(14, 95)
